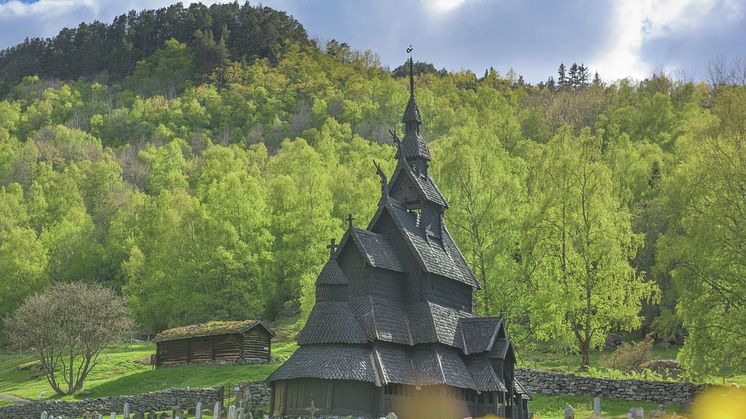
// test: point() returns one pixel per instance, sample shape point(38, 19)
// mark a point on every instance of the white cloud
point(636, 22)
point(442, 6)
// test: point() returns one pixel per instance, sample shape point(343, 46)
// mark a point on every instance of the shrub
point(67, 326)
point(630, 356)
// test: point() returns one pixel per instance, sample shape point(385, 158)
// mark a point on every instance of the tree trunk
point(586, 362)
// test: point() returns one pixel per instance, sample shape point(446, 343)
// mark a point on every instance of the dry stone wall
point(546, 382)
point(185, 398)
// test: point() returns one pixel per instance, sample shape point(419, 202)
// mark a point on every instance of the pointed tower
point(413, 147)
point(392, 329)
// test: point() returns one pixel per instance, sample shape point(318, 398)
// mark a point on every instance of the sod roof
point(211, 329)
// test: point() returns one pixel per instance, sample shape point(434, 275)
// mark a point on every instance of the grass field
point(551, 407)
point(124, 369)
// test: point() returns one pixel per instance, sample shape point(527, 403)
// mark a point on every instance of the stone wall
point(546, 382)
point(184, 398)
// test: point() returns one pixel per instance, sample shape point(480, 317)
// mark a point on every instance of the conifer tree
point(562, 79)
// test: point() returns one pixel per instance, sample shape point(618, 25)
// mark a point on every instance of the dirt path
point(13, 399)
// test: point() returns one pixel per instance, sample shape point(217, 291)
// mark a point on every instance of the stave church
point(392, 329)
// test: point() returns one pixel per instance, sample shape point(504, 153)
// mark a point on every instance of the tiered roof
point(408, 339)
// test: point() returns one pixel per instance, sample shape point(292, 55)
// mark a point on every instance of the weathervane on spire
point(411, 70)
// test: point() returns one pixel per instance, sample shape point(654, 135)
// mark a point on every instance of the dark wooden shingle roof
point(444, 260)
point(521, 390)
point(328, 362)
point(331, 322)
point(501, 347)
point(479, 333)
point(377, 250)
point(331, 274)
point(484, 375)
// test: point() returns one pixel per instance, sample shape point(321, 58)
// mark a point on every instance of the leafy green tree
point(23, 259)
point(301, 206)
point(168, 71)
point(578, 242)
point(486, 187)
point(704, 249)
point(167, 164)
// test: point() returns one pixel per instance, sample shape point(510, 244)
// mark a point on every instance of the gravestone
point(44, 415)
point(113, 415)
point(661, 412)
point(126, 412)
point(232, 412)
point(198, 411)
point(569, 412)
point(636, 413)
point(596, 406)
point(216, 410)
point(391, 415)
point(240, 414)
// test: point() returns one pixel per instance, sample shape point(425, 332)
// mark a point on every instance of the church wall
point(330, 397)
point(414, 281)
point(353, 265)
point(403, 190)
point(449, 293)
point(385, 283)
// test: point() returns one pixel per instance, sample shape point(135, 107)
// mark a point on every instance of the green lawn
point(554, 406)
point(124, 369)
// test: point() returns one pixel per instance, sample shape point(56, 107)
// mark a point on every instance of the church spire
point(413, 146)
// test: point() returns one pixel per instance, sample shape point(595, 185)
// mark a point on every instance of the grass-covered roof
point(210, 329)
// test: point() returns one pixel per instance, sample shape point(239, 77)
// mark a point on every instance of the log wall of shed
point(257, 345)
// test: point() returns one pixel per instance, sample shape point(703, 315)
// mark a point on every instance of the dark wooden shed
point(229, 342)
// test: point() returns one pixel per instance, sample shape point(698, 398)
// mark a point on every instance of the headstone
point(44, 415)
point(126, 412)
point(597, 406)
point(636, 413)
point(232, 412)
point(569, 412)
point(391, 415)
point(240, 414)
point(99, 416)
point(216, 410)
point(113, 415)
point(198, 411)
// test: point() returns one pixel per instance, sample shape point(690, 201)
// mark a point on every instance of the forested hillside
point(202, 173)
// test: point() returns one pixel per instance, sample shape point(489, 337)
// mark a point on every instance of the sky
point(617, 38)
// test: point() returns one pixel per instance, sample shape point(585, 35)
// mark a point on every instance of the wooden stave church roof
point(414, 343)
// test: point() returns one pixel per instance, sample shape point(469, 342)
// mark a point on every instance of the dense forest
point(197, 160)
